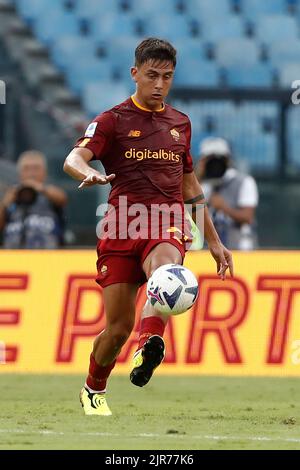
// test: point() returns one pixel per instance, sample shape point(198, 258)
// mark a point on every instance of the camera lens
point(26, 196)
point(215, 167)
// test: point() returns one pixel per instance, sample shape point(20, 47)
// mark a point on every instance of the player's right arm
point(94, 145)
point(76, 165)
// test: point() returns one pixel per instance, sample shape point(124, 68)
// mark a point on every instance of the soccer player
point(144, 146)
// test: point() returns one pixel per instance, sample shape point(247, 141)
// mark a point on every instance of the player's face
point(153, 80)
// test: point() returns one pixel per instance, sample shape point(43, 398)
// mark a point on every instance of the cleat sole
point(153, 354)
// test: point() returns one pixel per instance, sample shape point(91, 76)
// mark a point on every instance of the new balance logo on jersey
point(134, 133)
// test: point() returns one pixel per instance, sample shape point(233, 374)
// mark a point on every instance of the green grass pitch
point(43, 412)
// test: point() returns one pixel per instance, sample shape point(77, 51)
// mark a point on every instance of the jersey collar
point(137, 104)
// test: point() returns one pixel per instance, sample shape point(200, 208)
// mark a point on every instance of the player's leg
point(152, 321)
point(119, 303)
point(151, 348)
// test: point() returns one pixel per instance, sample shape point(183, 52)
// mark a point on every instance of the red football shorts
point(122, 260)
point(121, 255)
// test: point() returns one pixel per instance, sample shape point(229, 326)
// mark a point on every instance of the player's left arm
point(193, 194)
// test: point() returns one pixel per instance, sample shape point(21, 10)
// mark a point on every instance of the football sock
point(150, 326)
point(98, 375)
point(93, 391)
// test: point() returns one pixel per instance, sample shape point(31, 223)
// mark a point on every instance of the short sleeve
point(248, 194)
point(188, 160)
point(99, 135)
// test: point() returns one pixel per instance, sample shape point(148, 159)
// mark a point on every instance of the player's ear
point(133, 72)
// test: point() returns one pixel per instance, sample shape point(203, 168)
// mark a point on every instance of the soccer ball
point(172, 289)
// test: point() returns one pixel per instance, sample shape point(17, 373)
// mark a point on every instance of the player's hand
point(96, 178)
point(223, 258)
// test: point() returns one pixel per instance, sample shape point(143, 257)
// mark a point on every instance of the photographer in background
point(31, 213)
point(232, 196)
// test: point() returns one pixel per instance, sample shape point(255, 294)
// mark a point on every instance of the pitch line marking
point(149, 435)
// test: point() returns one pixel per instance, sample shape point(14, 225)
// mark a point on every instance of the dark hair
point(156, 49)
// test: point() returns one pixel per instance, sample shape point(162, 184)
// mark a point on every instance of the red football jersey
point(147, 150)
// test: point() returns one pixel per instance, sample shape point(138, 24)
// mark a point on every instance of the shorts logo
point(103, 269)
point(91, 129)
point(175, 134)
point(134, 133)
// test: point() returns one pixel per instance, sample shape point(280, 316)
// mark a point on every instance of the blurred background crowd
point(65, 61)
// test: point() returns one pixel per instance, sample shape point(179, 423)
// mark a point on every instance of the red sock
point(98, 375)
point(150, 326)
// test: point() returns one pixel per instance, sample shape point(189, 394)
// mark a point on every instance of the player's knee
point(165, 254)
point(120, 333)
point(157, 262)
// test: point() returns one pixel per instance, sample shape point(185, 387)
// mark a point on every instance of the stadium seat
point(210, 116)
point(294, 136)
point(231, 51)
point(120, 53)
point(168, 26)
point(281, 52)
point(108, 26)
point(213, 31)
point(260, 116)
point(194, 112)
point(231, 122)
point(95, 8)
point(244, 122)
point(242, 125)
point(256, 75)
point(209, 9)
point(260, 150)
point(293, 151)
point(31, 10)
point(70, 49)
point(253, 9)
point(52, 26)
point(154, 7)
point(114, 24)
point(189, 47)
point(81, 73)
point(190, 72)
point(100, 96)
point(121, 48)
point(288, 74)
point(276, 27)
